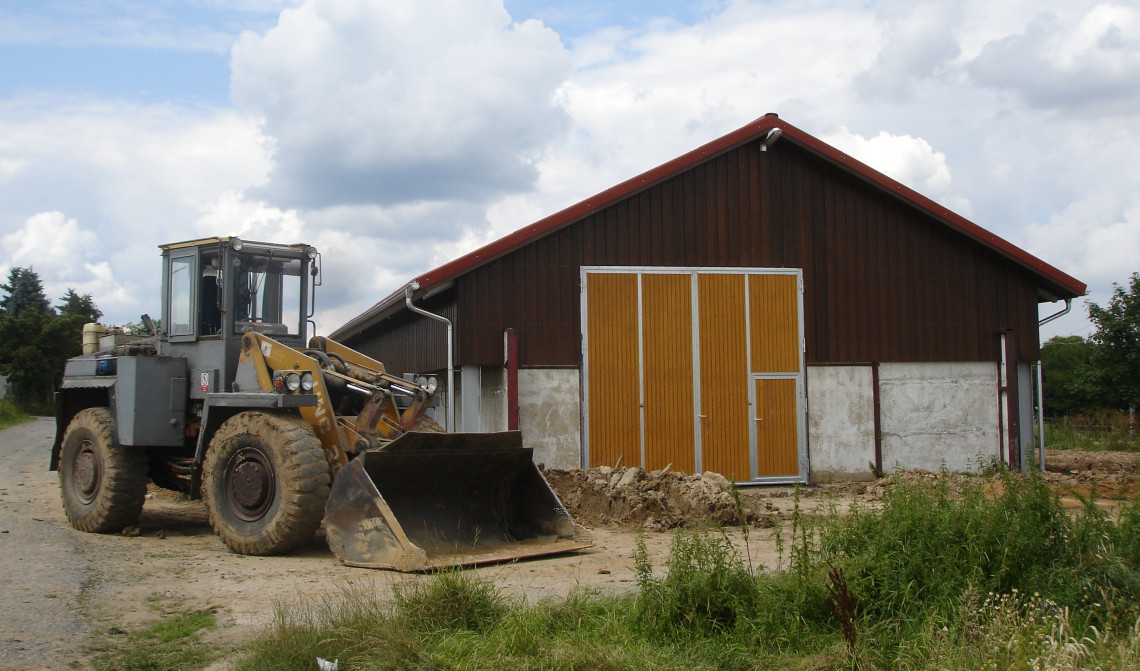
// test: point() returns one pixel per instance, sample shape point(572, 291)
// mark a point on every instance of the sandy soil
point(65, 592)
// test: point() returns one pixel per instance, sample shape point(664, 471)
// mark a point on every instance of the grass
point(1114, 431)
point(11, 414)
point(172, 644)
point(994, 575)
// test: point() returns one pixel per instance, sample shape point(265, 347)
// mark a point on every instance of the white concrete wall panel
point(841, 422)
point(494, 408)
point(549, 415)
point(935, 414)
point(470, 409)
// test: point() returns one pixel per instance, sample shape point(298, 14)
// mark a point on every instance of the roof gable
point(764, 128)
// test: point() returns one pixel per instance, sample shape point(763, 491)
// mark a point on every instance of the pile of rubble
point(663, 500)
point(656, 500)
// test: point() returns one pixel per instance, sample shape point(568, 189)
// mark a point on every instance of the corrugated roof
point(442, 276)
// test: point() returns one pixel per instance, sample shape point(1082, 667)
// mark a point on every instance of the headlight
point(311, 252)
point(428, 383)
point(236, 244)
point(292, 381)
point(307, 381)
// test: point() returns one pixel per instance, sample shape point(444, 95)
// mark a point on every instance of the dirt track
point(64, 591)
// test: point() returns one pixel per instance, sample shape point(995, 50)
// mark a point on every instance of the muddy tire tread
point(119, 502)
point(302, 481)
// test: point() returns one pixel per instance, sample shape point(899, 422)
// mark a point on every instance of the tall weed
point(909, 563)
point(707, 587)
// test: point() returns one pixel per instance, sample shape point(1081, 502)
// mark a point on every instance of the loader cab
point(217, 289)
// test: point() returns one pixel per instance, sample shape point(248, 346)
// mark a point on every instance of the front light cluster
point(293, 381)
point(428, 383)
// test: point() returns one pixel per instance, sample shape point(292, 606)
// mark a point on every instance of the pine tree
point(35, 342)
point(24, 291)
point(80, 306)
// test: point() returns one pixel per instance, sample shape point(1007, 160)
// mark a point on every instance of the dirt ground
point(65, 592)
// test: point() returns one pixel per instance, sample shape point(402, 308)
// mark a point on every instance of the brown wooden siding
point(409, 343)
point(882, 281)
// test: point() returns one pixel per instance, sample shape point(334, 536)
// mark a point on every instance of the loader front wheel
point(265, 481)
point(102, 485)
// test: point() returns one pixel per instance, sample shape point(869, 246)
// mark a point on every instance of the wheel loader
point(227, 401)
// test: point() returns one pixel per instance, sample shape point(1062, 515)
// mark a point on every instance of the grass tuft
point(172, 644)
point(454, 600)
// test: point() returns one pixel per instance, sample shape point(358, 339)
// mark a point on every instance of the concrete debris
point(656, 500)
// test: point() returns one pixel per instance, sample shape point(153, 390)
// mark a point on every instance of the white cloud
point(396, 136)
point(10, 167)
point(641, 97)
point(393, 102)
point(920, 42)
point(906, 159)
point(1090, 61)
point(64, 256)
point(131, 176)
point(1097, 237)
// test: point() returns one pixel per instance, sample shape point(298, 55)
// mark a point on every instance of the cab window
point(268, 295)
point(181, 298)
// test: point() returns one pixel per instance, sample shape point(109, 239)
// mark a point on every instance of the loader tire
point(103, 485)
point(265, 481)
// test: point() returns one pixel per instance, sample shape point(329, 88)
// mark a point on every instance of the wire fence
point(1101, 430)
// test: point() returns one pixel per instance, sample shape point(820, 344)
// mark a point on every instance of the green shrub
point(707, 587)
point(11, 414)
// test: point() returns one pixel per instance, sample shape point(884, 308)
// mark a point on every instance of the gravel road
point(45, 565)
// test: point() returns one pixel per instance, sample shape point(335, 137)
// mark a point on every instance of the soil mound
point(1090, 463)
point(657, 500)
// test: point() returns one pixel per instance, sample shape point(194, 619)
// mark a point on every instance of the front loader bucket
point(432, 500)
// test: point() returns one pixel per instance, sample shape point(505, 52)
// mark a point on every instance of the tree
point(24, 291)
point(82, 306)
point(35, 342)
point(1072, 382)
point(23, 359)
point(1117, 340)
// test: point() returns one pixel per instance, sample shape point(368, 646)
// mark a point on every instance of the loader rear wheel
point(102, 485)
point(265, 481)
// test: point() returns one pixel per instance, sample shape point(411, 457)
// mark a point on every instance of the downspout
point(1062, 313)
point(1041, 389)
point(450, 351)
point(1040, 418)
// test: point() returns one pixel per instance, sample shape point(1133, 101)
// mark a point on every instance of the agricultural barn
point(765, 307)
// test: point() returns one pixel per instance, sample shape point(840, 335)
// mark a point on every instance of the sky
point(397, 135)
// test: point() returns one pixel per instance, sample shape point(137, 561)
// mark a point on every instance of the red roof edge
point(939, 212)
point(752, 131)
point(579, 210)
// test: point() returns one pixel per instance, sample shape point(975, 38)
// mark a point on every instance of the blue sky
point(398, 135)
